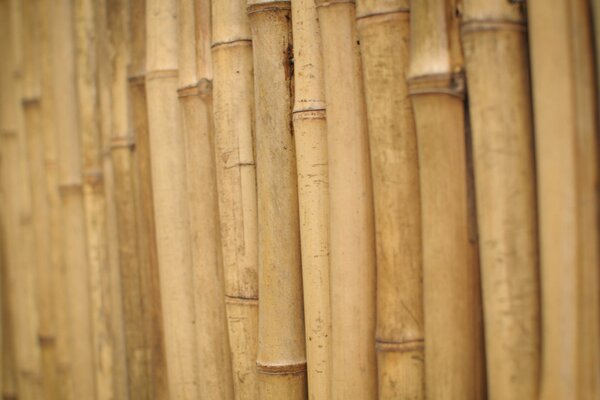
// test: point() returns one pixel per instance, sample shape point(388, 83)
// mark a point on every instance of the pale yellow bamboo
point(8, 385)
point(310, 134)
point(352, 247)
point(384, 29)
point(494, 39)
point(567, 165)
point(453, 359)
point(233, 101)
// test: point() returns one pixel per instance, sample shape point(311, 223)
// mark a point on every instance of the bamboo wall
point(299, 199)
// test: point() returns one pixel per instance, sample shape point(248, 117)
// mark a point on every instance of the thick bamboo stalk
point(352, 241)
point(8, 384)
point(494, 39)
point(233, 107)
point(310, 134)
point(195, 74)
point(384, 34)
point(567, 165)
point(453, 359)
point(281, 360)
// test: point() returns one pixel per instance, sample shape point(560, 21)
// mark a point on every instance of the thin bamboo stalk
point(233, 97)
point(170, 206)
point(281, 360)
point(567, 164)
point(310, 134)
point(453, 358)
point(195, 74)
point(500, 109)
point(352, 241)
point(384, 29)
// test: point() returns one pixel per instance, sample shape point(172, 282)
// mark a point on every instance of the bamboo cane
point(8, 383)
point(352, 246)
point(567, 161)
point(595, 4)
point(453, 362)
point(195, 73)
point(281, 360)
point(233, 98)
point(496, 57)
point(384, 33)
point(310, 134)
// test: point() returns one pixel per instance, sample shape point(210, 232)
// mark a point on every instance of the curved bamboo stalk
point(450, 269)
point(233, 107)
point(214, 363)
point(494, 39)
point(567, 164)
point(384, 33)
point(281, 360)
point(310, 134)
point(352, 241)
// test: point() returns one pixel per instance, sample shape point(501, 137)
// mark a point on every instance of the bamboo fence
point(299, 199)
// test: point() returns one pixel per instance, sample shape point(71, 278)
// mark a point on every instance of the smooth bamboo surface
point(384, 28)
point(565, 113)
point(310, 134)
point(494, 40)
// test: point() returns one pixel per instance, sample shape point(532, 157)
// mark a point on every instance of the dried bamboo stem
point(567, 164)
point(310, 134)
point(384, 33)
point(8, 384)
point(233, 98)
point(450, 270)
point(494, 39)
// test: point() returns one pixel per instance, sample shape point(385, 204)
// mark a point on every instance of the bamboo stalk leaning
point(384, 29)
point(310, 134)
point(352, 239)
point(450, 269)
point(565, 112)
point(495, 45)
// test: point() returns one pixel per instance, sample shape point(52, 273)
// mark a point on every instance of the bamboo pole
point(352, 242)
point(567, 164)
point(281, 360)
point(500, 109)
point(453, 359)
point(195, 75)
point(384, 29)
point(310, 134)
point(8, 383)
point(233, 98)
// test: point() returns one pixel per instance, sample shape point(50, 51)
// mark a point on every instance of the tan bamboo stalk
point(595, 4)
point(170, 206)
point(195, 74)
point(352, 241)
point(567, 165)
point(281, 360)
point(77, 283)
point(384, 34)
point(494, 40)
point(310, 134)
point(453, 362)
point(233, 103)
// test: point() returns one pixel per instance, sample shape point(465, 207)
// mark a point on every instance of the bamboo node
point(473, 26)
point(309, 113)
point(446, 83)
point(231, 43)
point(46, 340)
point(281, 369)
point(399, 347)
point(202, 88)
point(8, 133)
point(246, 301)
point(162, 74)
point(138, 79)
point(269, 6)
point(70, 188)
point(121, 141)
point(92, 177)
point(327, 3)
point(31, 101)
point(401, 11)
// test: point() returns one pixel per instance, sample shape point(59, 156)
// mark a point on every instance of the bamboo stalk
point(384, 29)
point(567, 164)
point(453, 359)
point(281, 360)
point(500, 108)
point(352, 242)
point(233, 97)
point(310, 134)
point(195, 74)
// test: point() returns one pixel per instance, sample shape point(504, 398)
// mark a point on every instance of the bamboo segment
point(500, 109)
point(352, 242)
point(384, 33)
point(215, 379)
point(567, 164)
point(310, 134)
point(8, 383)
point(453, 360)
point(281, 360)
point(233, 109)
